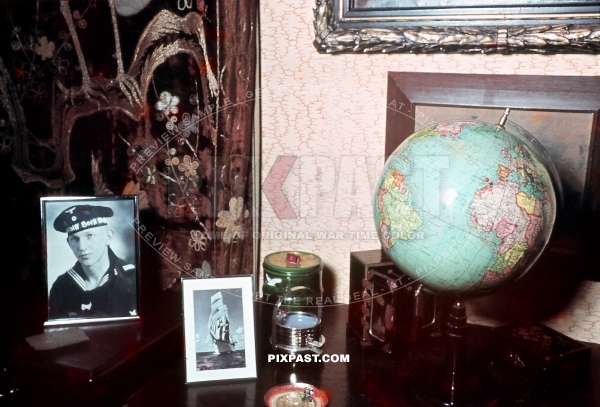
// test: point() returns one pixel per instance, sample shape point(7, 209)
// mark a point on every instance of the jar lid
point(296, 262)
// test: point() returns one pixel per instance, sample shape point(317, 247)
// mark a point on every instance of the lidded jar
point(286, 270)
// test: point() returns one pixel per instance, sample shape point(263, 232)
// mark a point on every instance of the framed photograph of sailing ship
point(218, 317)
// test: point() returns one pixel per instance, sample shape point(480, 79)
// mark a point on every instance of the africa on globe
point(465, 207)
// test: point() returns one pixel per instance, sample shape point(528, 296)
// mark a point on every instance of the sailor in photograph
point(100, 284)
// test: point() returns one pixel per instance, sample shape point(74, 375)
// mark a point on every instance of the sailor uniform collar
point(77, 274)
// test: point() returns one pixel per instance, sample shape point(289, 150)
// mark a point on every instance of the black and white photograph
point(91, 250)
point(219, 328)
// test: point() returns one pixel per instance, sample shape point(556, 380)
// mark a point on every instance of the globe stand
point(452, 384)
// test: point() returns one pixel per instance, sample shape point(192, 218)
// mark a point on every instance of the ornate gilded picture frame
point(542, 26)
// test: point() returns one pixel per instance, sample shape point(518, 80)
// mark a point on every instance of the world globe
point(466, 207)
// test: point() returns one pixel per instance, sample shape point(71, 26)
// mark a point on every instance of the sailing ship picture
point(218, 316)
point(219, 329)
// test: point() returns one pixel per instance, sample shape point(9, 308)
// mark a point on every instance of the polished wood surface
point(373, 378)
point(102, 373)
point(117, 359)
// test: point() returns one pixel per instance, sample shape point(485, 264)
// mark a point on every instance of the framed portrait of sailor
point(91, 256)
point(218, 317)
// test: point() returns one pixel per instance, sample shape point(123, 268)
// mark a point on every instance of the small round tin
point(296, 328)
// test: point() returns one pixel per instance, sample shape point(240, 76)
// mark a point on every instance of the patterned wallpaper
point(323, 131)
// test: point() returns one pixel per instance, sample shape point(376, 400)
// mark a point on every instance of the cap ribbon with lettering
point(81, 217)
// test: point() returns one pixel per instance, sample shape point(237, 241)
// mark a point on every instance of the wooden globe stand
point(452, 384)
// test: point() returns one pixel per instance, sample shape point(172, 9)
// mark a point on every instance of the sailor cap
point(81, 217)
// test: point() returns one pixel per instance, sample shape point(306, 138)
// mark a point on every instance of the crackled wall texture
point(323, 120)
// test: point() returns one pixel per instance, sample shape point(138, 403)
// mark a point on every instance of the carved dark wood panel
point(118, 97)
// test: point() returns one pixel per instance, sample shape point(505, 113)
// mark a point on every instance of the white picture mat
point(189, 286)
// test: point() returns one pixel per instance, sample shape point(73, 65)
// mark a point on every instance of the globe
point(466, 207)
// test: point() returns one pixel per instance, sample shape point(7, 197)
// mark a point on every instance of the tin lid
point(295, 262)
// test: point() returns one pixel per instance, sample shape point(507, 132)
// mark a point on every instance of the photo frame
point(218, 316)
point(91, 258)
point(541, 26)
point(562, 112)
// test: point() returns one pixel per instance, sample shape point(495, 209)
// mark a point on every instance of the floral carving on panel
point(114, 98)
point(233, 220)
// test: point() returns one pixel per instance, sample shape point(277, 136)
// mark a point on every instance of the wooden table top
point(371, 377)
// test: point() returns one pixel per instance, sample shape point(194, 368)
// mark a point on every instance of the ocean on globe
point(465, 207)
